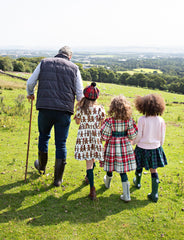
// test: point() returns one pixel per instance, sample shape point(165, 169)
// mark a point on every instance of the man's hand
point(30, 97)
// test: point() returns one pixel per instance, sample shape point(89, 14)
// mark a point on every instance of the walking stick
point(29, 138)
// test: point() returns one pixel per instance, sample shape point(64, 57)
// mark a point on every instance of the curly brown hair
point(150, 105)
point(120, 108)
point(84, 104)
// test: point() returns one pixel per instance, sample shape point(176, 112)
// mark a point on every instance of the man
point(59, 82)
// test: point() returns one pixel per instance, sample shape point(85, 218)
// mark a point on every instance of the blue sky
point(83, 23)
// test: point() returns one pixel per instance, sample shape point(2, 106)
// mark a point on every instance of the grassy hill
point(37, 210)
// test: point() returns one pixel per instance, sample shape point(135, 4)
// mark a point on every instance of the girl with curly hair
point(151, 133)
point(118, 130)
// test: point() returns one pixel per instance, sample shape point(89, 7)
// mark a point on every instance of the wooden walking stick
point(29, 138)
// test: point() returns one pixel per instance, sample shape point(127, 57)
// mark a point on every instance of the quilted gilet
point(57, 84)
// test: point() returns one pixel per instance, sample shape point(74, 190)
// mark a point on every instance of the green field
point(37, 210)
point(142, 70)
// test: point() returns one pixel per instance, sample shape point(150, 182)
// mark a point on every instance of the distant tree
point(28, 68)
point(141, 79)
point(132, 80)
point(123, 78)
point(103, 74)
point(151, 83)
point(80, 66)
point(159, 81)
point(6, 64)
point(18, 66)
point(86, 76)
point(177, 87)
point(81, 69)
point(111, 77)
point(94, 74)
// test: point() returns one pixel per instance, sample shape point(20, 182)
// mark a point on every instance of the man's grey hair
point(65, 51)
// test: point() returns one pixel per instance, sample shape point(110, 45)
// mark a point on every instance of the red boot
point(92, 194)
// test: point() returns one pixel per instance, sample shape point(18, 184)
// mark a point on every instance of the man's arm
point(79, 86)
point(32, 81)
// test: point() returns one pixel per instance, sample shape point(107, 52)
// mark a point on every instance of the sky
point(91, 23)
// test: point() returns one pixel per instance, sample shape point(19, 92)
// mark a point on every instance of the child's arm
point(102, 121)
point(140, 130)
point(163, 133)
point(77, 120)
point(106, 130)
point(77, 116)
point(102, 116)
point(132, 129)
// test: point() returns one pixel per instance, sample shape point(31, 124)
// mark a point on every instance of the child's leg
point(90, 176)
point(86, 178)
point(94, 165)
point(107, 179)
point(126, 188)
point(137, 178)
point(155, 181)
point(124, 177)
point(89, 170)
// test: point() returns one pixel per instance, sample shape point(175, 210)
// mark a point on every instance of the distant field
point(142, 70)
point(101, 56)
point(147, 70)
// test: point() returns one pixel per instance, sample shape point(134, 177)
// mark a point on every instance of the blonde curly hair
point(120, 108)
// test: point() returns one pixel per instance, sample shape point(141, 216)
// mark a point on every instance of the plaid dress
point(118, 152)
point(89, 142)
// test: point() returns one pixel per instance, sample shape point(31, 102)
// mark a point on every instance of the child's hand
point(77, 120)
point(101, 163)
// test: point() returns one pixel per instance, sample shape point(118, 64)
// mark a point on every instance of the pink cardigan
point(151, 132)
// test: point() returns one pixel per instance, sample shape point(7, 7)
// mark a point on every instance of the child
point(89, 144)
point(151, 133)
point(118, 131)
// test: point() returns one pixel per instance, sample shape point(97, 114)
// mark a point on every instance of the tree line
point(153, 81)
point(22, 64)
point(171, 82)
point(170, 65)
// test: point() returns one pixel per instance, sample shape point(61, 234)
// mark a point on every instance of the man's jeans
point(61, 122)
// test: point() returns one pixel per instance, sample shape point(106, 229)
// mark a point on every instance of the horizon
point(103, 49)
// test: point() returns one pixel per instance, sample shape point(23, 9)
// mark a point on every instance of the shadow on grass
point(70, 207)
point(14, 201)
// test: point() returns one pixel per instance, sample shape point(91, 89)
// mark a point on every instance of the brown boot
point(92, 194)
point(59, 170)
point(86, 180)
point(41, 163)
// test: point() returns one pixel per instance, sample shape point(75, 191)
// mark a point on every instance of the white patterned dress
point(89, 142)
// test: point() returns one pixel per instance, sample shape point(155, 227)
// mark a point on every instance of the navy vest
point(57, 84)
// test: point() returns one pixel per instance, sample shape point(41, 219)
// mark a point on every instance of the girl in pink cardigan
point(151, 133)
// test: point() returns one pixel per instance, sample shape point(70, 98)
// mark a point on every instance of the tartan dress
point(89, 142)
point(118, 152)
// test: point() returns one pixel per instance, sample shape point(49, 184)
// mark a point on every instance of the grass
point(20, 74)
point(37, 210)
